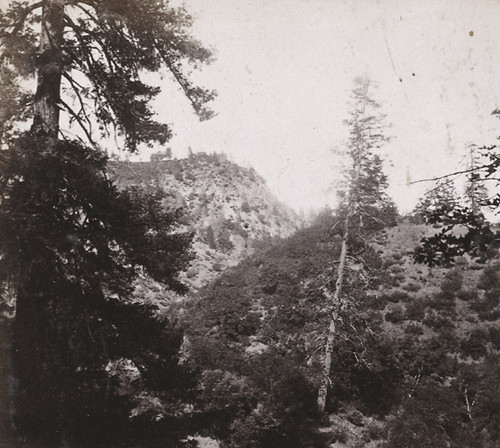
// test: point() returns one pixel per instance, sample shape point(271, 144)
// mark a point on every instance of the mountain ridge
point(230, 208)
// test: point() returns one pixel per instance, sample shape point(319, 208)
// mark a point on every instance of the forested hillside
point(229, 208)
point(415, 363)
point(178, 303)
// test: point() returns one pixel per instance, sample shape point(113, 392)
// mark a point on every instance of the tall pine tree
point(442, 198)
point(364, 204)
point(476, 192)
point(70, 243)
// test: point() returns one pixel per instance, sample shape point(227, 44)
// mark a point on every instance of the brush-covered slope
point(416, 354)
point(229, 208)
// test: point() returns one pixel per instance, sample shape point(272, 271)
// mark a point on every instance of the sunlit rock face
point(229, 208)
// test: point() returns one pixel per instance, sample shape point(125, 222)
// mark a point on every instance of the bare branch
point(449, 181)
point(456, 173)
point(77, 118)
point(75, 86)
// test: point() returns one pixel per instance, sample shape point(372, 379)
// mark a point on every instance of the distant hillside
point(416, 356)
point(229, 207)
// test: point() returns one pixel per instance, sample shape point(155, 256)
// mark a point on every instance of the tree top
point(102, 49)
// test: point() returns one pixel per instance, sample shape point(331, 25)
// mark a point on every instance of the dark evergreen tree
point(464, 229)
point(363, 193)
point(364, 204)
point(70, 243)
point(442, 198)
point(475, 191)
point(90, 58)
point(460, 231)
point(462, 225)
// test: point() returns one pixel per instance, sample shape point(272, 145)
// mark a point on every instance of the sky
point(284, 70)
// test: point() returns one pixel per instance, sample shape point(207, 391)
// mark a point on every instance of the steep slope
point(415, 361)
point(258, 332)
point(230, 208)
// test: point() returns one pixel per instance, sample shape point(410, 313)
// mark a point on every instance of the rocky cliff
point(229, 207)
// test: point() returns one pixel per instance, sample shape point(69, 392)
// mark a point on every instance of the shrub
point(376, 301)
point(449, 288)
point(492, 297)
point(475, 345)
point(355, 417)
point(427, 419)
point(456, 276)
point(412, 287)
point(448, 337)
point(396, 296)
point(192, 272)
point(262, 218)
point(375, 319)
point(467, 295)
point(223, 389)
point(490, 278)
point(178, 176)
point(224, 242)
point(339, 434)
point(471, 319)
point(484, 307)
point(387, 263)
point(446, 299)
point(286, 403)
point(494, 337)
point(375, 430)
point(491, 315)
point(436, 321)
point(217, 267)
point(416, 310)
point(414, 329)
point(396, 279)
point(245, 207)
point(210, 237)
point(395, 269)
point(397, 256)
point(443, 301)
point(395, 314)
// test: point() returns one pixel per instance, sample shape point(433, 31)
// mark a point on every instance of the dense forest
point(178, 303)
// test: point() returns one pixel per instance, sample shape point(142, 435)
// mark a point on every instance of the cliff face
point(229, 208)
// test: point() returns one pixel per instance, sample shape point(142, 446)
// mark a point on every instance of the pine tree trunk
point(6, 381)
point(34, 402)
point(49, 71)
point(327, 363)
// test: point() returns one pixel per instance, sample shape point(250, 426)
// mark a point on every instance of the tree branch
point(101, 49)
point(79, 121)
point(456, 173)
point(29, 9)
point(85, 11)
point(74, 86)
point(199, 109)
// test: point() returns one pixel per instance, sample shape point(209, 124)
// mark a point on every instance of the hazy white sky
point(285, 68)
